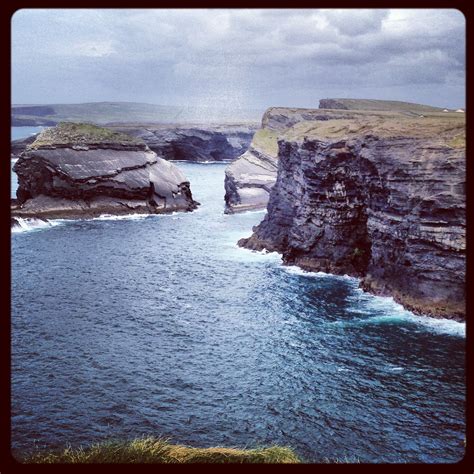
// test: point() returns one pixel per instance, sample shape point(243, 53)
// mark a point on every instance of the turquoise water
point(161, 325)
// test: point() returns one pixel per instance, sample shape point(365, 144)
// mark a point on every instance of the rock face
point(17, 147)
point(79, 170)
point(176, 142)
point(243, 181)
point(381, 199)
point(249, 179)
point(193, 143)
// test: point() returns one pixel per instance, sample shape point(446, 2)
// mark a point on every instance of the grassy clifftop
point(66, 133)
point(371, 117)
point(155, 450)
point(372, 104)
point(449, 130)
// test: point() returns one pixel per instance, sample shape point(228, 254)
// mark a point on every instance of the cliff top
point(450, 130)
point(66, 133)
point(372, 104)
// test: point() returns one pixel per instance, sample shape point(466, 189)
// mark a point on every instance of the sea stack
point(78, 170)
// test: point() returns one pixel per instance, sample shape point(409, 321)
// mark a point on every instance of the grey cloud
point(251, 57)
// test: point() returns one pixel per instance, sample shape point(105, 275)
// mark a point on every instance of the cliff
point(193, 143)
point(249, 179)
point(81, 170)
point(243, 180)
point(381, 198)
point(199, 142)
point(373, 104)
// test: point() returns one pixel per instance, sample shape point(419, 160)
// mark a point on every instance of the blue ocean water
point(23, 132)
point(161, 325)
point(17, 133)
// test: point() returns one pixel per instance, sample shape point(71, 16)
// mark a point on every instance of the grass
point(449, 130)
point(389, 105)
point(158, 450)
point(459, 141)
point(266, 141)
point(81, 134)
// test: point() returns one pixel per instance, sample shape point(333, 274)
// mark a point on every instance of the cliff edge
point(381, 198)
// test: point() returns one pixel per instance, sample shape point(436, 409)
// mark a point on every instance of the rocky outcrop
point(381, 199)
point(17, 147)
point(193, 143)
point(200, 143)
point(243, 183)
point(249, 179)
point(80, 170)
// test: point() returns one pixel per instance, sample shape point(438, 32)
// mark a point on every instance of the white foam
point(110, 217)
point(396, 313)
point(27, 225)
point(247, 255)
point(294, 270)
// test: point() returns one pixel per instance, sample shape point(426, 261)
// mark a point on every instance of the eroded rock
point(383, 200)
point(80, 170)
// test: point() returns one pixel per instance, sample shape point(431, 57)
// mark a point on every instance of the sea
point(132, 326)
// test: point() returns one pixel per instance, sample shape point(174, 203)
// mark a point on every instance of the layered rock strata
point(249, 179)
point(193, 143)
point(243, 183)
point(80, 170)
point(383, 200)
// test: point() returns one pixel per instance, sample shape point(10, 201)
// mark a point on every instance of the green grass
point(448, 128)
point(266, 141)
point(157, 450)
point(81, 134)
point(388, 105)
point(459, 141)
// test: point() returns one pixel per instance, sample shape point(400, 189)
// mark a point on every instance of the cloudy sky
point(238, 58)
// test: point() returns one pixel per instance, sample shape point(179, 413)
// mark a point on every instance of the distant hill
point(382, 105)
point(126, 112)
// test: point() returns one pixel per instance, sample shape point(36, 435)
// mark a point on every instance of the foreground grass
point(155, 450)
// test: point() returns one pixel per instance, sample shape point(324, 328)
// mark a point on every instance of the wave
point(246, 213)
point(30, 224)
point(434, 325)
point(386, 309)
point(391, 312)
point(206, 162)
point(294, 270)
point(111, 217)
point(247, 255)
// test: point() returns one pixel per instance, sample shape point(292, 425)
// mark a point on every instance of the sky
point(241, 58)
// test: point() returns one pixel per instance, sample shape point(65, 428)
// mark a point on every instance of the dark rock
point(387, 206)
point(17, 147)
point(193, 143)
point(78, 170)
